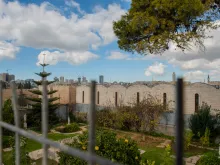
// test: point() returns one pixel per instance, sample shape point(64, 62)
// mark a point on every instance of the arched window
point(138, 97)
point(98, 97)
point(196, 102)
point(116, 99)
point(83, 97)
point(164, 100)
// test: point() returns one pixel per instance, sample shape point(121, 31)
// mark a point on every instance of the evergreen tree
point(20, 86)
point(22, 102)
point(34, 118)
point(150, 26)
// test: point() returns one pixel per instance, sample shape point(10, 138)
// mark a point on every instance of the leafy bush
point(81, 117)
point(210, 158)
point(187, 139)
point(141, 116)
point(72, 117)
point(106, 118)
point(25, 159)
point(8, 141)
point(202, 120)
point(205, 139)
point(124, 151)
point(8, 116)
point(73, 127)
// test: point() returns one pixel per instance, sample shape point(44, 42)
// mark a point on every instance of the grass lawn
point(33, 145)
point(192, 151)
point(155, 154)
point(152, 152)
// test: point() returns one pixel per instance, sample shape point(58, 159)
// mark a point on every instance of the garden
point(126, 134)
point(134, 127)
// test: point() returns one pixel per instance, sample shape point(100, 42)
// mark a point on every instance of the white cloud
point(115, 55)
point(44, 27)
point(38, 27)
point(74, 58)
point(156, 68)
point(126, 0)
point(74, 4)
point(118, 55)
point(8, 50)
point(195, 76)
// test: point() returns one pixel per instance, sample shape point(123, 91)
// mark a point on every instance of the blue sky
point(78, 40)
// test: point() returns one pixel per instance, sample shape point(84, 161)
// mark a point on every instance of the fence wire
point(89, 156)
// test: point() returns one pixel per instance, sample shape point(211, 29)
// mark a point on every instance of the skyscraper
point(84, 79)
point(62, 79)
point(11, 77)
point(79, 80)
point(174, 76)
point(101, 79)
point(6, 77)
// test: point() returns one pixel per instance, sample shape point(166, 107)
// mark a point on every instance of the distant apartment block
point(101, 79)
point(61, 79)
point(7, 77)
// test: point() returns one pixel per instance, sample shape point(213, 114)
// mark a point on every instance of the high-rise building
point(11, 77)
point(71, 81)
point(101, 79)
point(4, 77)
point(84, 79)
point(208, 79)
point(62, 79)
point(79, 80)
point(174, 76)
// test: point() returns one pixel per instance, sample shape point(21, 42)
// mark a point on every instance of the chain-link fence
point(89, 156)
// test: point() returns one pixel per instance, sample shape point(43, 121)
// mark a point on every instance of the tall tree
point(8, 115)
point(34, 118)
point(150, 26)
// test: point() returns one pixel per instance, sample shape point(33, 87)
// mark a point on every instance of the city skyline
point(89, 50)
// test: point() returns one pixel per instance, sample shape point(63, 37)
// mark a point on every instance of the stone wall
point(126, 95)
point(7, 93)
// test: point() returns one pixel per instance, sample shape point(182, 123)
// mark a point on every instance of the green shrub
point(210, 158)
point(202, 120)
point(81, 117)
point(73, 127)
point(139, 116)
point(7, 141)
point(105, 118)
point(188, 138)
point(25, 159)
point(8, 116)
point(72, 117)
point(124, 151)
point(205, 139)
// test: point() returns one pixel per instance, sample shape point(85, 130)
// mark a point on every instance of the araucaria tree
point(34, 118)
point(150, 26)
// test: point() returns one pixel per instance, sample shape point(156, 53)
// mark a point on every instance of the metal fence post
point(1, 105)
point(179, 121)
point(17, 122)
point(44, 116)
point(92, 112)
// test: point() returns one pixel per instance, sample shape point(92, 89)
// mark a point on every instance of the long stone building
point(114, 95)
point(77, 97)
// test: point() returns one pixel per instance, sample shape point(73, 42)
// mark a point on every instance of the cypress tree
point(34, 118)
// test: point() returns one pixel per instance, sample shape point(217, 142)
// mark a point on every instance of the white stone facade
point(125, 95)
